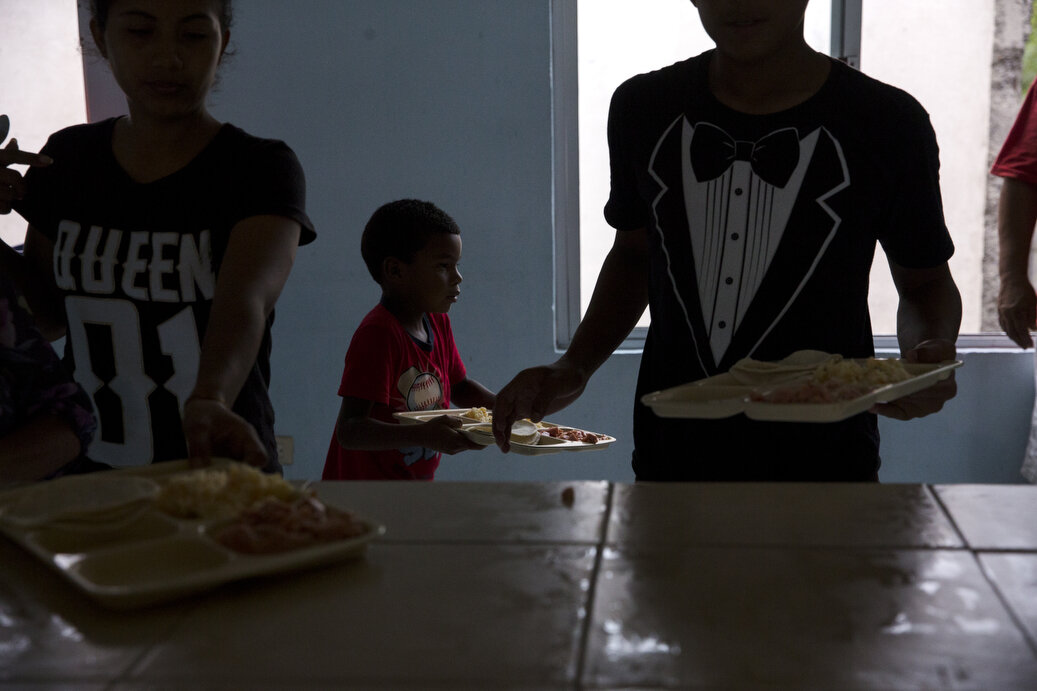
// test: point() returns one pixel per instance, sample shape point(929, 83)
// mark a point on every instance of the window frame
point(845, 44)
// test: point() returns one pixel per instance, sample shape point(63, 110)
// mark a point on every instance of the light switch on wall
point(285, 450)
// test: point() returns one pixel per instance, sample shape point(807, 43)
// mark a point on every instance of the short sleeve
point(277, 186)
point(45, 184)
point(1018, 156)
point(914, 232)
point(625, 209)
point(367, 373)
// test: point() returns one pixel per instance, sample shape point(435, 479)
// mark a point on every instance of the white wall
point(42, 33)
point(942, 56)
point(657, 33)
point(451, 101)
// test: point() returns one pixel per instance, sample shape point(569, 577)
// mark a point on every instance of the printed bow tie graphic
point(773, 157)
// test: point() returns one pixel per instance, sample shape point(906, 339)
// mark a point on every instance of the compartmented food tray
point(474, 429)
point(725, 395)
point(137, 554)
point(468, 416)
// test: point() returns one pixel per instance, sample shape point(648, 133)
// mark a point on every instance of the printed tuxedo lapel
point(811, 226)
point(737, 227)
point(675, 240)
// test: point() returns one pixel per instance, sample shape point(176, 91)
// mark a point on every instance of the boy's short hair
point(401, 229)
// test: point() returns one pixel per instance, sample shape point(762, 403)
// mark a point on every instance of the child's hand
point(444, 435)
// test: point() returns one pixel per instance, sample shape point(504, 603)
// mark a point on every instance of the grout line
point(592, 590)
point(128, 673)
point(1020, 625)
point(1006, 603)
point(947, 512)
point(650, 548)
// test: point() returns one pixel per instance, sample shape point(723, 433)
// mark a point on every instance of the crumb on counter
point(568, 496)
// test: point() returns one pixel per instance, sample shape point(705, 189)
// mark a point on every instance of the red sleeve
point(1018, 156)
point(368, 371)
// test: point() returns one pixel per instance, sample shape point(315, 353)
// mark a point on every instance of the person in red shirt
point(1017, 216)
point(1016, 219)
point(403, 357)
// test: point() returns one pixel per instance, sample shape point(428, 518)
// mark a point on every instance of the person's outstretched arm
point(620, 297)
point(928, 320)
point(256, 265)
point(469, 393)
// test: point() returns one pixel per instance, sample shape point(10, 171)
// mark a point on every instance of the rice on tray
point(839, 380)
point(215, 493)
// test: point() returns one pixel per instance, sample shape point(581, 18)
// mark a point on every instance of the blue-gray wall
point(451, 101)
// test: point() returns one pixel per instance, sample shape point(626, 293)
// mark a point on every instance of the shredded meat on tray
point(278, 526)
point(570, 434)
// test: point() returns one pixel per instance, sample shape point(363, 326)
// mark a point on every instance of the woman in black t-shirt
point(158, 244)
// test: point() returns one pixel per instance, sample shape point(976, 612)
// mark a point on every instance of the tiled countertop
point(480, 585)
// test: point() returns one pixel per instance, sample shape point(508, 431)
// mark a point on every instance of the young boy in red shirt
point(403, 356)
point(1016, 220)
